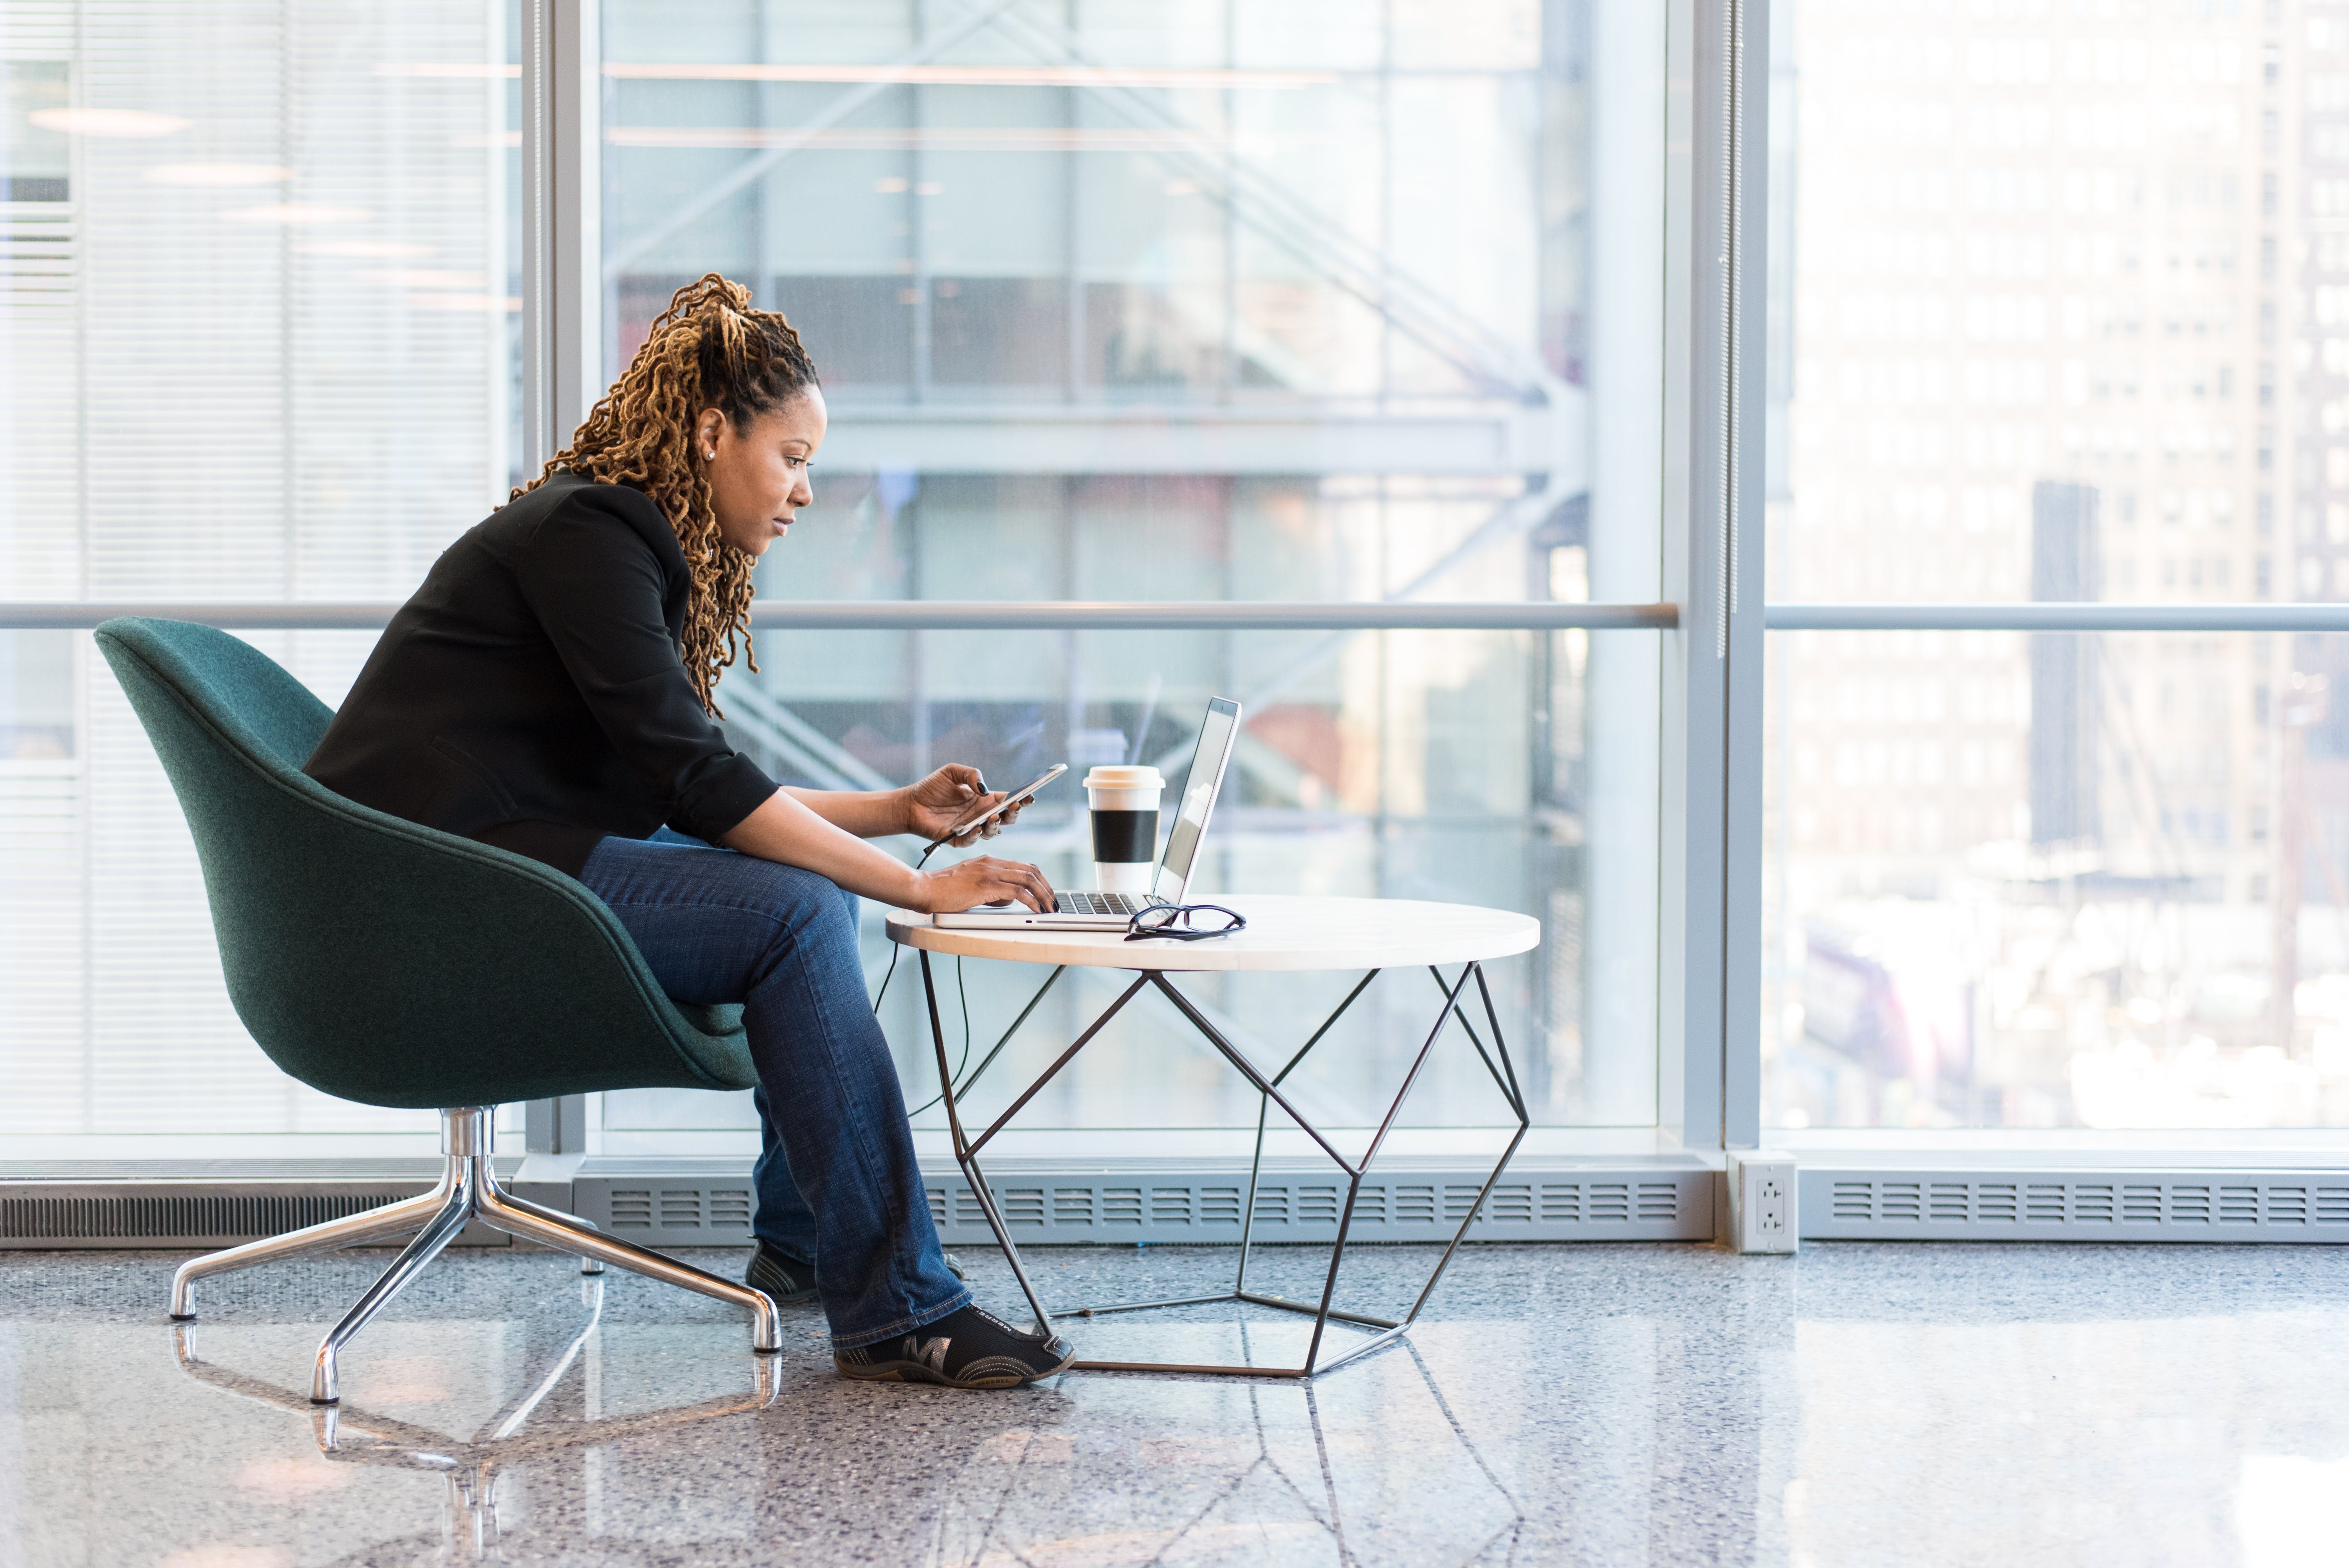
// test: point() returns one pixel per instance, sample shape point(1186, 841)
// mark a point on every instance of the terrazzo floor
point(1604, 1404)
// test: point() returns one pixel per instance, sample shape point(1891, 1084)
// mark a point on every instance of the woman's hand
point(950, 796)
point(982, 879)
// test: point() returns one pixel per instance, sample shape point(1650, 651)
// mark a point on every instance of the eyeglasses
point(1185, 923)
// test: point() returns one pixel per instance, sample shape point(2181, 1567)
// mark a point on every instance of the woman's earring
point(708, 454)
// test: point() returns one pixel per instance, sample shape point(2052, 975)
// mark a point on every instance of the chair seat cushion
point(724, 1019)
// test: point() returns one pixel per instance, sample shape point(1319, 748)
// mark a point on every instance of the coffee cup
point(1125, 802)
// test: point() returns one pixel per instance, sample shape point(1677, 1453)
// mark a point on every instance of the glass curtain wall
point(257, 347)
point(1359, 302)
point(1212, 302)
point(2058, 293)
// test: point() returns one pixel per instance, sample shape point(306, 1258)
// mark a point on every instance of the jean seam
point(919, 1318)
point(625, 901)
point(860, 1131)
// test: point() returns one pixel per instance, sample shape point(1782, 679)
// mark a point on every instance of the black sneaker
point(788, 1283)
point(970, 1348)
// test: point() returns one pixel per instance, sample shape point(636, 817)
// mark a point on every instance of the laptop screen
point(1199, 787)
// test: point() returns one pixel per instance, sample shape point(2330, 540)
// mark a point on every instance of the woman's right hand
point(982, 879)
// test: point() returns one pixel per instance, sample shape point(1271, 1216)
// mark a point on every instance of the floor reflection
point(473, 1467)
point(1586, 1405)
point(1268, 1477)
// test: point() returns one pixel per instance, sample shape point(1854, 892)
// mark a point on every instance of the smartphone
point(1020, 797)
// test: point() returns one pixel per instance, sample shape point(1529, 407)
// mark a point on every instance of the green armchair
point(393, 965)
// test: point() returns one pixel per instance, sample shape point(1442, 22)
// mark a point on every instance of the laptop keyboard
point(1125, 905)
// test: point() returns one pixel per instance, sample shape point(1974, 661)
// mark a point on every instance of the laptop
point(1111, 911)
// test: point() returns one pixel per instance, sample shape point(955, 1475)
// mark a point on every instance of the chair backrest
point(375, 959)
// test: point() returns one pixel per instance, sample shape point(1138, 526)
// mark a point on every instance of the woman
point(548, 690)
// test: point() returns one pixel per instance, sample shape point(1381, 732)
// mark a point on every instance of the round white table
point(1284, 932)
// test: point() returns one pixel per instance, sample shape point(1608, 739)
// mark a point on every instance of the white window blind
point(260, 349)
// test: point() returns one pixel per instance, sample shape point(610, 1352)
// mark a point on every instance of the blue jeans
point(838, 1184)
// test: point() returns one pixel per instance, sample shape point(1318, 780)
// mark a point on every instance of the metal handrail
point(936, 615)
point(2059, 616)
point(1271, 615)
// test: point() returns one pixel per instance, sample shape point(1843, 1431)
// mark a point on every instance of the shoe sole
point(915, 1372)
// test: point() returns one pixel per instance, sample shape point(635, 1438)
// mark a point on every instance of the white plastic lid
point(1112, 776)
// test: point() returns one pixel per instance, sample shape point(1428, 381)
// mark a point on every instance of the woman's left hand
point(949, 796)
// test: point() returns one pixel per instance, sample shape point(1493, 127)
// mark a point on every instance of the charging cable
point(961, 995)
point(895, 949)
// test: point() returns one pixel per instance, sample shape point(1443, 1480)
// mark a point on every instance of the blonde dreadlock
point(708, 350)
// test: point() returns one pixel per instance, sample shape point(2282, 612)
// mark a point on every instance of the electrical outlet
point(1761, 1201)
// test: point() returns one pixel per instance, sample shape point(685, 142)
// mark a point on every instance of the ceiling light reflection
point(219, 174)
point(119, 122)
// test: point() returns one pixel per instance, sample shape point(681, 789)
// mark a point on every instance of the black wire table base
point(1385, 1330)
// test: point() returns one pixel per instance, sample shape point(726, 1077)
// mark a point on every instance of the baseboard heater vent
point(46, 1214)
point(2075, 1206)
point(1125, 1207)
point(674, 1214)
point(685, 1206)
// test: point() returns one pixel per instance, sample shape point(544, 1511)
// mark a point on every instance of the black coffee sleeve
point(1124, 838)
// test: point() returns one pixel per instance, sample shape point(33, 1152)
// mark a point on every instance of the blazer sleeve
point(596, 586)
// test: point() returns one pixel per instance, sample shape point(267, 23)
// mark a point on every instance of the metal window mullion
point(562, 202)
point(1695, 923)
point(563, 302)
point(933, 615)
point(948, 615)
point(537, 417)
point(2059, 616)
point(1743, 614)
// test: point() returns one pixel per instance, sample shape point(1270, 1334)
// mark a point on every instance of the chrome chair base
point(468, 1189)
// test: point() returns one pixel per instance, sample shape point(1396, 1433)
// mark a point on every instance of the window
point(1251, 304)
point(1250, 307)
point(255, 319)
point(2062, 878)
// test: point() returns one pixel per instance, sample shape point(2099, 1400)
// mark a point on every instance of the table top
point(1285, 930)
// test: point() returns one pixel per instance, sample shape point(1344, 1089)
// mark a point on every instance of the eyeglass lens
point(1205, 919)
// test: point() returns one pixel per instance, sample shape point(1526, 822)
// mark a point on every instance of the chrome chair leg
point(352, 1230)
point(468, 1189)
point(588, 1264)
point(500, 1210)
point(456, 1210)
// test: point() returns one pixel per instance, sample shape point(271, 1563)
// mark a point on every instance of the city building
point(2054, 331)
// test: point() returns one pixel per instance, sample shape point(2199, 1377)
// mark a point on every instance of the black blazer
point(533, 694)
